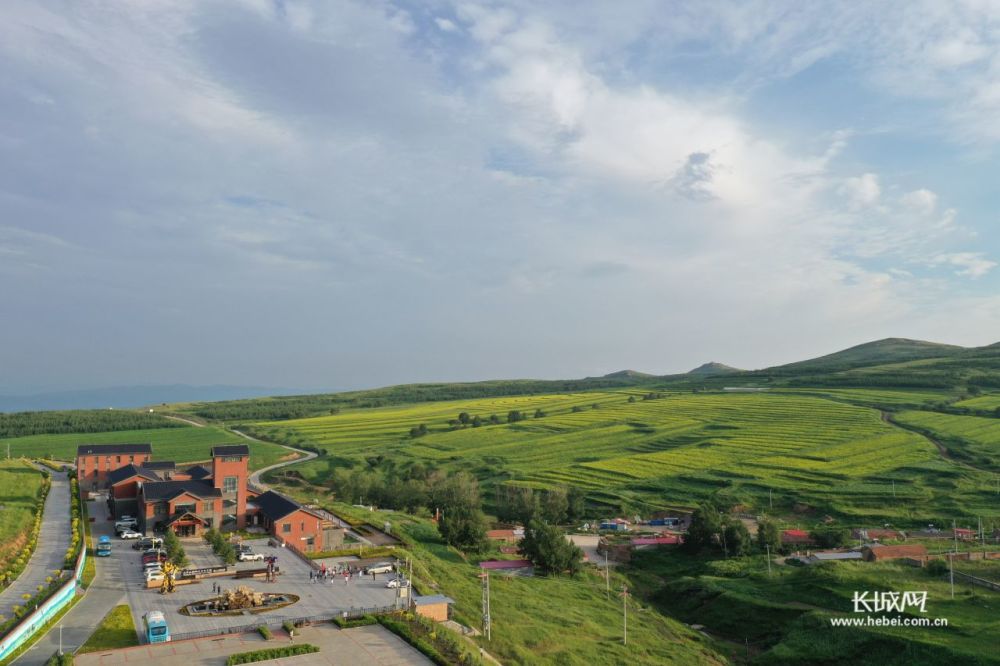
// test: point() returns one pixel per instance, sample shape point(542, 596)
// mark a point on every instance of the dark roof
point(127, 472)
point(432, 599)
point(231, 450)
point(275, 506)
point(163, 464)
point(198, 472)
point(165, 490)
point(108, 449)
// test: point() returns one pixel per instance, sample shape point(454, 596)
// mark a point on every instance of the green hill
point(713, 368)
point(879, 352)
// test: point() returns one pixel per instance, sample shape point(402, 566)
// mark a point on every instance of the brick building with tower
point(190, 500)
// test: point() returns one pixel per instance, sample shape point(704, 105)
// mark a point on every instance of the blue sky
point(347, 194)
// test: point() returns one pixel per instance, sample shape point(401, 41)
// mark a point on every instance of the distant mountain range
point(124, 397)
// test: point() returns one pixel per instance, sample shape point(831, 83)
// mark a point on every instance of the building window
point(95, 461)
point(232, 459)
point(286, 528)
point(229, 484)
point(206, 507)
point(302, 527)
point(118, 459)
point(131, 459)
point(161, 509)
point(107, 461)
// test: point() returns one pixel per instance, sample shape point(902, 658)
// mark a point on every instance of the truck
point(104, 547)
point(156, 627)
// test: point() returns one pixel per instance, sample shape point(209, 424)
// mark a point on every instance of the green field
point(186, 444)
point(973, 439)
point(116, 630)
point(983, 402)
point(671, 452)
point(19, 485)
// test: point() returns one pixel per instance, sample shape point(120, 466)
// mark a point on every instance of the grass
point(116, 630)
point(19, 487)
point(973, 439)
point(183, 445)
point(800, 449)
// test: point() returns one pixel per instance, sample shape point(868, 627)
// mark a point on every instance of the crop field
point(983, 402)
point(974, 439)
point(19, 484)
point(881, 397)
point(187, 444)
point(671, 452)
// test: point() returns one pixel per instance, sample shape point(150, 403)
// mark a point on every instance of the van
point(156, 627)
point(380, 568)
point(147, 543)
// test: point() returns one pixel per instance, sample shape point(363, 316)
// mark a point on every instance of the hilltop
point(879, 352)
point(713, 368)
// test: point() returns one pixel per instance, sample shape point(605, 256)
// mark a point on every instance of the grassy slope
point(186, 444)
point(19, 484)
point(672, 452)
point(973, 439)
point(116, 630)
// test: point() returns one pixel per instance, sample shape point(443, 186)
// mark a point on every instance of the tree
point(539, 413)
point(477, 421)
point(703, 529)
point(494, 419)
point(463, 524)
point(418, 431)
point(736, 538)
point(575, 503)
point(464, 418)
point(830, 537)
point(555, 505)
point(549, 549)
point(631, 398)
point(513, 416)
point(768, 535)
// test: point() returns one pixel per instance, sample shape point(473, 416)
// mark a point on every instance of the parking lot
point(315, 598)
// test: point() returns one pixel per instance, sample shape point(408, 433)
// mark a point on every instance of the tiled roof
point(127, 472)
point(162, 464)
point(231, 450)
point(198, 472)
point(432, 599)
point(111, 449)
point(165, 490)
point(275, 506)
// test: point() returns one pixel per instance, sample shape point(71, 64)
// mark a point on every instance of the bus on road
point(156, 627)
point(104, 547)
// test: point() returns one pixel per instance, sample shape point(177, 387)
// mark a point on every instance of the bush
point(272, 653)
point(937, 568)
point(289, 627)
point(265, 634)
point(362, 621)
point(60, 660)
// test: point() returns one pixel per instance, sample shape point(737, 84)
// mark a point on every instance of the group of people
point(331, 574)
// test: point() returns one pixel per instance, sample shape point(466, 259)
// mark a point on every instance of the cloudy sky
point(343, 194)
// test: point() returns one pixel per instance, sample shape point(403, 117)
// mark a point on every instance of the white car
point(396, 582)
point(248, 556)
point(381, 568)
point(156, 574)
point(129, 534)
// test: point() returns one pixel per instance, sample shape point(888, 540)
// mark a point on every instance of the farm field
point(19, 486)
point(668, 453)
point(973, 439)
point(185, 444)
point(880, 397)
point(983, 402)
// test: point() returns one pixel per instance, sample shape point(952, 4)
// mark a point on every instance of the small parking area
point(315, 598)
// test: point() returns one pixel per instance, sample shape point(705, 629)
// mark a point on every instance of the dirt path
point(183, 420)
point(942, 449)
point(304, 456)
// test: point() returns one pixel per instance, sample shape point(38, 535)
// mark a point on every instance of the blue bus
point(104, 546)
point(156, 627)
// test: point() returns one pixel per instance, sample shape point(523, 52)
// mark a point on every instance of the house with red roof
point(796, 538)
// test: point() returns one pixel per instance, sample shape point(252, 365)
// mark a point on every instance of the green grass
point(116, 630)
point(984, 402)
point(19, 486)
point(671, 453)
point(185, 444)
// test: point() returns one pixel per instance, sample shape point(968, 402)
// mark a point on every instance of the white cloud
point(922, 201)
point(445, 25)
point(861, 191)
point(969, 264)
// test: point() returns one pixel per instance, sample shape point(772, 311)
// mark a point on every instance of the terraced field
point(794, 449)
point(186, 444)
point(983, 402)
point(973, 439)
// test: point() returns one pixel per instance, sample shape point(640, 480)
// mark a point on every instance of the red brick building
point(94, 462)
point(294, 524)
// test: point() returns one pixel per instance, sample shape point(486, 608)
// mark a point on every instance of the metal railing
point(277, 621)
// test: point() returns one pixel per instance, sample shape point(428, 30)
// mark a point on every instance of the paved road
point(105, 592)
point(255, 477)
point(373, 645)
point(53, 541)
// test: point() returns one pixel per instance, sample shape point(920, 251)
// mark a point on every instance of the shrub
point(362, 621)
point(271, 653)
point(265, 634)
point(289, 627)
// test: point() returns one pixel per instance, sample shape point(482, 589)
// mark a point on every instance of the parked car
point(380, 568)
point(155, 574)
point(154, 557)
point(397, 582)
point(244, 548)
point(129, 534)
point(152, 566)
point(249, 556)
point(147, 543)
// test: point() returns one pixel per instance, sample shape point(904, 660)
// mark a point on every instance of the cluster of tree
point(175, 551)
point(290, 407)
point(827, 536)
point(549, 550)
point(711, 529)
point(418, 431)
point(652, 396)
point(461, 521)
point(221, 546)
point(382, 484)
point(596, 405)
point(21, 424)
point(515, 504)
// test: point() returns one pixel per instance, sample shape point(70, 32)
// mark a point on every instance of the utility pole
point(768, 546)
point(770, 498)
point(60, 626)
point(952, 558)
point(894, 488)
point(624, 596)
point(607, 576)
point(487, 624)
